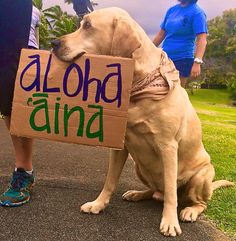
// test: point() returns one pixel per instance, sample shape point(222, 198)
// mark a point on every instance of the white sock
point(29, 172)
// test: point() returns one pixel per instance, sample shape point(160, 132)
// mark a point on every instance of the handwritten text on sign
point(83, 102)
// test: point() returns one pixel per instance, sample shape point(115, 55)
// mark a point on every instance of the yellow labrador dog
point(163, 137)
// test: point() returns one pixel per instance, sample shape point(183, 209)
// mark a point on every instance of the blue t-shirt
point(182, 25)
point(82, 7)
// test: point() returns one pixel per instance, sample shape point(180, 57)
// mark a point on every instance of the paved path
point(68, 176)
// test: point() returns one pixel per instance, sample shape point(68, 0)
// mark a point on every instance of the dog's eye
point(87, 25)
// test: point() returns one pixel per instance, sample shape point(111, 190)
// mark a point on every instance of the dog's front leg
point(169, 223)
point(116, 164)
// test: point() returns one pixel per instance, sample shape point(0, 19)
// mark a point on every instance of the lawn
point(219, 137)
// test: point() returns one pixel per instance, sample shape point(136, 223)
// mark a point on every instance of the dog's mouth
point(79, 55)
point(66, 58)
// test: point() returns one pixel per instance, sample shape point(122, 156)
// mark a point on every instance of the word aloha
point(84, 81)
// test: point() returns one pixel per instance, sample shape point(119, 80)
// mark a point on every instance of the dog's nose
point(56, 44)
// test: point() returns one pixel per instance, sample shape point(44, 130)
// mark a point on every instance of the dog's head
point(108, 31)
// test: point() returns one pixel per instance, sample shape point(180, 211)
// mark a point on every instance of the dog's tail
point(222, 183)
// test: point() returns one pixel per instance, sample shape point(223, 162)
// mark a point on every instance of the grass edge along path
point(219, 136)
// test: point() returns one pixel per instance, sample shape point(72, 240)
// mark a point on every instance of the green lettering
point(67, 115)
point(99, 115)
point(42, 106)
point(56, 117)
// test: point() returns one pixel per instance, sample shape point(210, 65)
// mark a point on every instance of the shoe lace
point(18, 180)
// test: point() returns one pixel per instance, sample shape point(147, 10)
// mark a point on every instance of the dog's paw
point(170, 228)
point(158, 196)
point(133, 195)
point(94, 207)
point(189, 214)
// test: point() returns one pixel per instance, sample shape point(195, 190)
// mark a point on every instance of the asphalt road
point(70, 175)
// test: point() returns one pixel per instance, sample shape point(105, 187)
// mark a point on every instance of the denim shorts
point(14, 35)
point(184, 66)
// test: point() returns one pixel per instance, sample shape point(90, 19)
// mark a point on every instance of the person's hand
point(196, 70)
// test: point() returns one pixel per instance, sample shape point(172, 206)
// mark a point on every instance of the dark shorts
point(184, 66)
point(32, 47)
point(7, 82)
point(14, 32)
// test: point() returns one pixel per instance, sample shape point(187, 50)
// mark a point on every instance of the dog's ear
point(125, 39)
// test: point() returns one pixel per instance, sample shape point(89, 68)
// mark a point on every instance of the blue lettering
point(45, 83)
point(36, 82)
point(65, 80)
point(119, 85)
point(88, 81)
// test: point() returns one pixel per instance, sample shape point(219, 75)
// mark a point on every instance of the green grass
point(219, 137)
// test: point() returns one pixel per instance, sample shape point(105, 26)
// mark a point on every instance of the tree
point(64, 26)
point(38, 4)
point(54, 24)
point(222, 35)
point(220, 55)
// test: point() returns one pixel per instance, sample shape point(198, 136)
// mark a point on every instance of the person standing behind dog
point(34, 29)
point(184, 31)
point(82, 7)
point(15, 19)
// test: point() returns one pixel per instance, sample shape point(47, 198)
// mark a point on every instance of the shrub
point(232, 88)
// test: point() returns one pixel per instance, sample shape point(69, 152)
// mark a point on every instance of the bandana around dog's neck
point(158, 83)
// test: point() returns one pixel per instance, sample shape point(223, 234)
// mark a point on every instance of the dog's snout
point(56, 44)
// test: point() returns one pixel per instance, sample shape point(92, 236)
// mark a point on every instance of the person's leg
point(14, 34)
point(23, 149)
point(184, 67)
point(22, 182)
point(183, 81)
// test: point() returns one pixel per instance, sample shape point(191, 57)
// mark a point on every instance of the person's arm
point(162, 33)
point(39, 15)
point(90, 6)
point(37, 35)
point(159, 37)
point(201, 43)
point(201, 30)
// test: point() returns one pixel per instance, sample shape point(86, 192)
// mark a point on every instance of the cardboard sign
point(84, 102)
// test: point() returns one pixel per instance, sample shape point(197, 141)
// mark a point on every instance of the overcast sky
point(149, 13)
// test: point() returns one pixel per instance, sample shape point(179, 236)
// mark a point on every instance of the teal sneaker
point(19, 190)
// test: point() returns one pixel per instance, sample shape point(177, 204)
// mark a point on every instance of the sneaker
point(19, 190)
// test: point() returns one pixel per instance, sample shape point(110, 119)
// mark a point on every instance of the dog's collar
point(145, 82)
point(158, 83)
